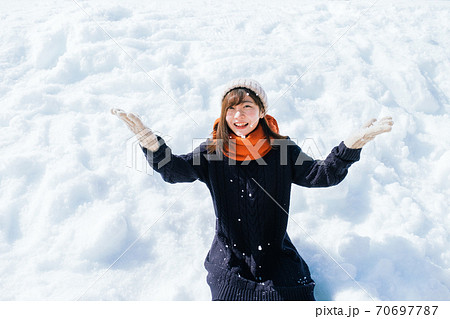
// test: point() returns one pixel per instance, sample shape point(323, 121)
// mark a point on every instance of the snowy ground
point(73, 198)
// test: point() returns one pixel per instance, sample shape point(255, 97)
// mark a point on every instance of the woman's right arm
point(177, 168)
point(173, 168)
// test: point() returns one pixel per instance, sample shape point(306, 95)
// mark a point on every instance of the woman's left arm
point(368, 132)
point(331, 171)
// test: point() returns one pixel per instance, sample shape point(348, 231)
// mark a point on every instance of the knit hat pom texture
point(250, 84)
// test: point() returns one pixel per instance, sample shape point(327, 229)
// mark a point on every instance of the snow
point(82, 217)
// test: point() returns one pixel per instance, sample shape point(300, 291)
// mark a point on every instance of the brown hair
point(232, 98)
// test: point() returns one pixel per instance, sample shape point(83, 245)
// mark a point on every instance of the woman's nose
point(238, 113)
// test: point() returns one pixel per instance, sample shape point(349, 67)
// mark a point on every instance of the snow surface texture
point(81, 217)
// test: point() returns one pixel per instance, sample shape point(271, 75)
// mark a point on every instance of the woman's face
point(243, 118)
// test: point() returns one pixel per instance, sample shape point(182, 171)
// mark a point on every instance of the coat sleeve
point(322, 173)
point(177, 168)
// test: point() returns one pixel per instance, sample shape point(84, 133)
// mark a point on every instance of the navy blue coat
point(251, 256)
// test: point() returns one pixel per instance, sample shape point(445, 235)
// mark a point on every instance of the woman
point(249, 168)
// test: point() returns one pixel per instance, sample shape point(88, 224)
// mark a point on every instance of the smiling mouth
point(240, 125)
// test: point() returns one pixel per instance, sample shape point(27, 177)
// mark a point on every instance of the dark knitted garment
point(251, 256)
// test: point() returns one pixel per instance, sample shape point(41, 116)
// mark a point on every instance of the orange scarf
point(253, 146)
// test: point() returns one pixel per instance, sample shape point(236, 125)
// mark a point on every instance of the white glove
point(145, 136)
point(368, 132)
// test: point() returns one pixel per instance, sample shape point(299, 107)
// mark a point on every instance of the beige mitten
point(145, 136)
point(368, 132)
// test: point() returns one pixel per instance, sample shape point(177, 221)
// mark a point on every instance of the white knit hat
point(248, 84)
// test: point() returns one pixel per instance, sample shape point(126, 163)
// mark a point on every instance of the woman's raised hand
point(145, 136)
point(368, 132)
